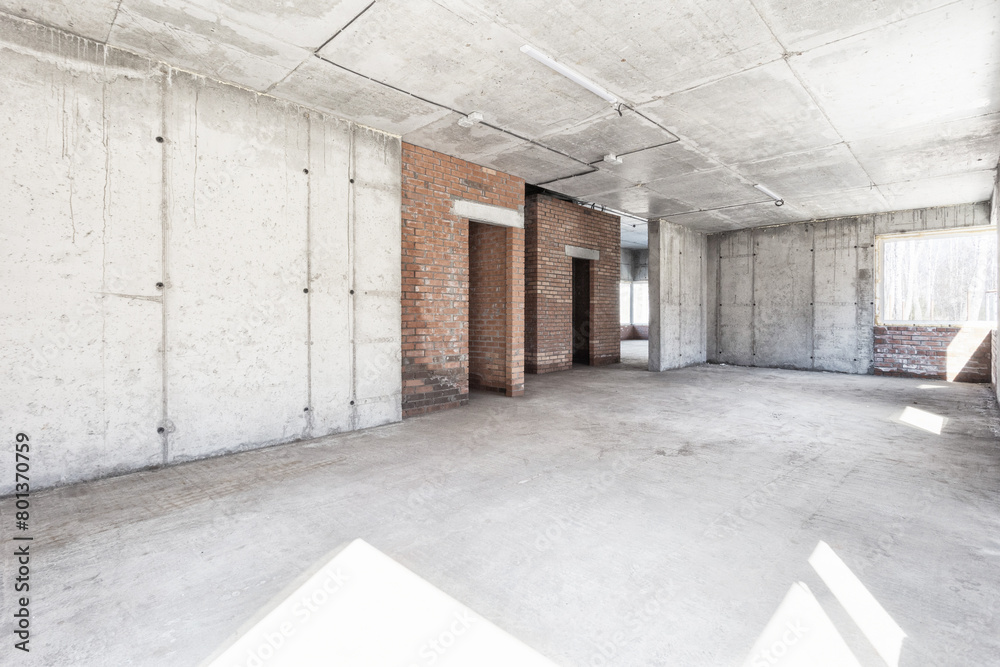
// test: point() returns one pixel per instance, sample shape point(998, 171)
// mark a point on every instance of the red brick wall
point(488, 299)
point(635, 332)
point(944, 353)
point(435, 265)
point(550, 225)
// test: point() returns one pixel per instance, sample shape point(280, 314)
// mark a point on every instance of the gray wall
point(802, 295)
point(995, 220)
point(231, 351)
point(677, 296)
point(635, 264)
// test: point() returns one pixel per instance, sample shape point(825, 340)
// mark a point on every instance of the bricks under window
point(959, 353)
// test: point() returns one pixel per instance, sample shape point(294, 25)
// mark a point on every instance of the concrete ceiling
point(635, 234)
point(842, 108)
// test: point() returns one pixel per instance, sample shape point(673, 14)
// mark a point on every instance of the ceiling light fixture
point(778, 201)
point(575, 77)
point(473, 118)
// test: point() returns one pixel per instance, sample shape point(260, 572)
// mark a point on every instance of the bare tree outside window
point(939, 278)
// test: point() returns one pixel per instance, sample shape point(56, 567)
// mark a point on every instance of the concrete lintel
point(582, 253)
point(488, 213)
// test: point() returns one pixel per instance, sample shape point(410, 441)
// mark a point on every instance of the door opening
point(581, 311)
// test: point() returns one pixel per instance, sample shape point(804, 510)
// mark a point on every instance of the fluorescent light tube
point(778, 201)
point(575, 77)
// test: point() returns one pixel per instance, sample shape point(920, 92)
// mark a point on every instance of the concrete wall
point(178, 263)
point(635, 264)
point(995, 220)
point(677, 296)
point(803, 295)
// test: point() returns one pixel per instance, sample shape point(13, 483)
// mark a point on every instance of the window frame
point(632, 306)
point(631, 302)
point(630, 313)
point(880, 240)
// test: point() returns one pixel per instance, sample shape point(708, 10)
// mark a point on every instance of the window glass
point(948, 278)
point(640, 303)
point(625, 302)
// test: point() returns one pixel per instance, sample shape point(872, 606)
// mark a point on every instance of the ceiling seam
point(923, 126)
point(345, 27)
point(710, 81)
point(595, 164)
point(677, 138)
point(719, 208)
point(151, 36)
point(649, 148)
point(812, 96)
point(987, 170)
point(883, 25)
point(114, 20)
point(694, 147)
point(453, 110)
point(169, 67)
point(270, 88)
point(282, 79)
point(506, 25)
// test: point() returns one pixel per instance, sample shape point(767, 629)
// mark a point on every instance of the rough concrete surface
point(160, 236)
point(635, 354)
point(656, 517)
point(803, 295)
point(842, 108)
point(995, 221)
point(677, 293)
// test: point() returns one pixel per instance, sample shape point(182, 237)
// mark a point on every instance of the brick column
point(515, 312)
point(436, 279)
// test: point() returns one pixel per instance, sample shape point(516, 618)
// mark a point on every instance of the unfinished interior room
point(492, 333)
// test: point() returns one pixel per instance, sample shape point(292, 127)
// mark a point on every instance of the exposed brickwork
point(435, 270)
point(550, 225)
point(496, 308)
point(944, 353)
point(635, 332)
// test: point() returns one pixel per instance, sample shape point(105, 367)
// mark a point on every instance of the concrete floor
point(635, 354)
point(608, 517)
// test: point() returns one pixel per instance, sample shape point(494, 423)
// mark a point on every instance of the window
point(633, 302)
point(625, 302)
point(640, 303)
point(938, 278)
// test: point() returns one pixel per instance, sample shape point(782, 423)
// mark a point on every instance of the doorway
point(581, 311)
